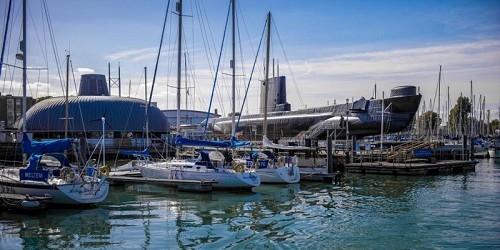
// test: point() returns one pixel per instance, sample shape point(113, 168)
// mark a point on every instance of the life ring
point(281, 161)
point(104, 170)
point(238, 167)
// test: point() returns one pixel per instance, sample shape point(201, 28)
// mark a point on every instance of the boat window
point(50, 161)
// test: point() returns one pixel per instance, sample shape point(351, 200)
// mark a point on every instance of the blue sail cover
point(33, 161)
point(181, 141)
point(144, 153)
point(235, 143)
point(42, 147)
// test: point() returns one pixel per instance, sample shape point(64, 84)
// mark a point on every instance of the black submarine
point(362, 117)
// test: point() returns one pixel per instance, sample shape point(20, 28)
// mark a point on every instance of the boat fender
point(64, 173)
point(104, 170)
point(30, 204)
point(238, 167)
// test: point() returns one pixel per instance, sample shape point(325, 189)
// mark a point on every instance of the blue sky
point(329, 50)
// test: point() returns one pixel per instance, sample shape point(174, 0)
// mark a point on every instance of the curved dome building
point(124, 117)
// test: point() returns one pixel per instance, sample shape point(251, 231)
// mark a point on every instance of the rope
point(289, 67)
point(251, 74)
point(206, 45)
point(157, 59)
point(216, 72)
point(5, 36)
point(53, 42)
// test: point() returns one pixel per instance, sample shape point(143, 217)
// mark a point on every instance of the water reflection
point(59, 229)
point(363, 212)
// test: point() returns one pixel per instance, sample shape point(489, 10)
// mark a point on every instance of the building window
point(10, 117)
point(10, 104)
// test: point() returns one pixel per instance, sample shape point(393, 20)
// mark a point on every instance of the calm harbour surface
point(459, 211)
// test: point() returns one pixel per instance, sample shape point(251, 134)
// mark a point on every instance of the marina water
point(364, 212)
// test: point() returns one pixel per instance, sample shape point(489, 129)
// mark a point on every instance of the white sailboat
point(227, 175)
point(48, 173)
point(271, 170)
point(51, 175)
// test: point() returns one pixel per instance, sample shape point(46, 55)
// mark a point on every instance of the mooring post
point(329, 151)
point(471, 148)
point(464, 147)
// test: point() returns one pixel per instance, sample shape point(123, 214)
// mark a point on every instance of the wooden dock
point(181, 185)
point(317, 176)
point(411, 168)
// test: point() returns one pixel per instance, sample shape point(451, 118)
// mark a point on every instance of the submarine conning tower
point(406, 90)
point(93, 85)
point(276, 98)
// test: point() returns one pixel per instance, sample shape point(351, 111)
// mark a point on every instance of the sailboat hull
point(289, 174)
point(226, 179)
point(494, 152)
point(62, 194)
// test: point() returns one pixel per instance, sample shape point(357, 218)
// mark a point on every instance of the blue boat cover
point(181, 141)
point(33, 161)
point(144, 152)
point(42, 147)
point(235, 143)
point(269, 154)
point(204, 160)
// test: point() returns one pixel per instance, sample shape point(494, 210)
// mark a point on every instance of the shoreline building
point(10, 111)
point(190, 122)
point(125, 118)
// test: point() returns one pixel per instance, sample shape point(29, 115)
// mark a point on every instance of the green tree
point(39, 99)
point(430, 120)
point(459, 114)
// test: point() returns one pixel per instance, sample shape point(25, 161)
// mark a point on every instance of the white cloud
point(83, 71)
point(138, 55)
point(406, 61)
point(348, 75)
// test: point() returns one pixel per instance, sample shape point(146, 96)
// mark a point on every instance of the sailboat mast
point(472, 111)
point(233, 66)
point(381, 124)
point(439, 102)
point(179, 60)
point(146, 104)
point(186, 86)
point(448, 109)
point(24, 50)
point(266, 82)
point(66, 113)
